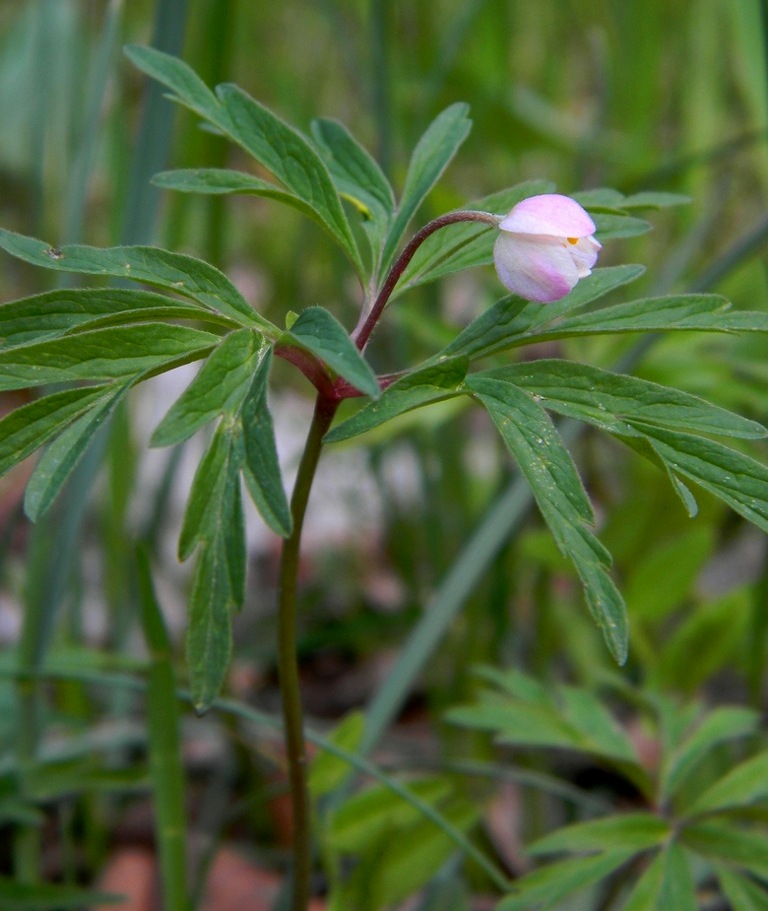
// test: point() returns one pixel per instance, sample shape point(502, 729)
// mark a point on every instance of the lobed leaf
point(556, 486)
point(430, 158)
point(319, 332)
point(183, 275)
point(433, 383)
point(287, 154)
point(550, 885)
point(605, 399)
point(102, 354)
point(220, 386)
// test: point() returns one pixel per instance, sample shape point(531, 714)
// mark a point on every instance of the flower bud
point(546, 244)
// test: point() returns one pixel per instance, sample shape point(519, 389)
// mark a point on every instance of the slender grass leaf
point(166, 766)
point(102, 354)
point(465, 244)
point(421, 387)
point(742, 785)
point(604, 399)
point(184, 275)
point(430, 158)
point(737, 479)
point(18, 896)
point(261, 468)
point(187, 86)
point(549, 885)
point(556, 486)
point(27, 428)
point(729, 845)
point(720, 725)
point(511, 320)
point(220, 386)
point(292, 160)
point(630, 831)
point(63, 454)
point(317, 330)
point(742, 894)
point(55, 313)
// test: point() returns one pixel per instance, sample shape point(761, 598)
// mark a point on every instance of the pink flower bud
point(546, 244)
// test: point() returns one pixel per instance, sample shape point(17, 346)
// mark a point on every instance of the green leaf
point(220, 386)
point(465, 244)
point(741, 786)
point(431, 156)
point(737, 479)
point(286, 153)
point(646, 891)
point(549, 885)
point(729, 845)
point(652, 199)
point(556, 486)
point(357, 177)
point(721, 724)
point(18, 896)
point(188, 87)
point(612, 227)
point(261, 468)
point(433, 383)
point(55, 313)
point(678, 889)
point(329, 771)
point(512, 320)
point(102, 354)
point(61, 457)
point(209, 634)
point(741, 893)
point(183, 275)
point(606, 399)
point(27, 428)
point(585, 712)
point(626, 831)
point(319, 332)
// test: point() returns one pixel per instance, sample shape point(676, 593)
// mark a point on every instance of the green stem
point(288, 666)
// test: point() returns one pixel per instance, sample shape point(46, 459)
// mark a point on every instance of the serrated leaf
point(465, 244)
point(183, 275)
point(512, 320)
point(549, 885)
point(431, 156)
point(737, 479)
point(742, 785)
point(728, 844)
point(721, 724)
point(556, 486)
point(743, 894)
point(605, 399)
point(433, 383)
point(30, 426)
point(102, 354)
point(317, 330)
point(625, 831)
point(292, 160)
point(56, 313)
point(261, 468)
point(221, 385)
point(61, 457)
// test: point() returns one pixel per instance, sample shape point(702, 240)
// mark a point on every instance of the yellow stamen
point(572, 240)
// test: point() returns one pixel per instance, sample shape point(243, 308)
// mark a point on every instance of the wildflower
point(546, 244)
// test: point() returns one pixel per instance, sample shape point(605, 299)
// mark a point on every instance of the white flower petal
point(549, 213)
point(584, 254)
point(537, 268)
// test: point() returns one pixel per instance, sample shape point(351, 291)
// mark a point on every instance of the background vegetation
point(423, 561)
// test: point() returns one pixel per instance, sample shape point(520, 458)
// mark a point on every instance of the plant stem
point(288, 666)
point(368, 322)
